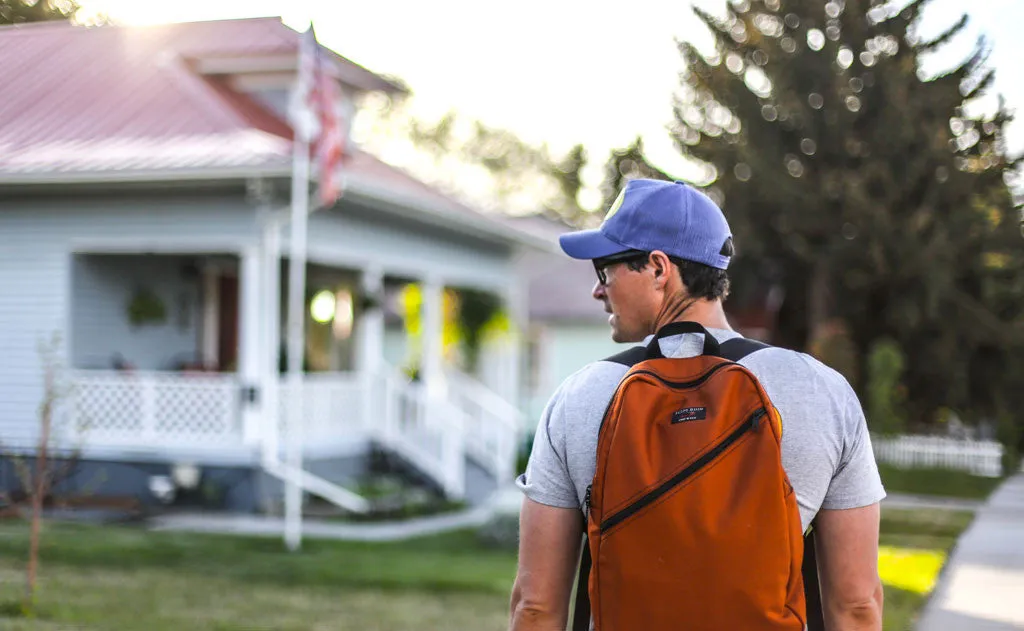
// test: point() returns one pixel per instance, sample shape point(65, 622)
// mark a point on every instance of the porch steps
point(479, 482)
point(479, 486)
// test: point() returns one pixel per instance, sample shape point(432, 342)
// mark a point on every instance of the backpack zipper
point(750, 424)
point(685, 384)
point(679, 385)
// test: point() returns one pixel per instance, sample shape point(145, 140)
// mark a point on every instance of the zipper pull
point(755, 418)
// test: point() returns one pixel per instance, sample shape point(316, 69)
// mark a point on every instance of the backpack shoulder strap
point(629, 357)
point(812, 589)
point(581, 611)
point(739, 347)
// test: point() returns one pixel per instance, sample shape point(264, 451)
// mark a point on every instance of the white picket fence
point(980, 457)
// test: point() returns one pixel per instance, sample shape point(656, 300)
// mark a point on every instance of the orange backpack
point(692, 523)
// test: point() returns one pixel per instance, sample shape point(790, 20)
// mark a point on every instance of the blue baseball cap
point(653, 215)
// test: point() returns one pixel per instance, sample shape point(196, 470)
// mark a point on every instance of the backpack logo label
point(689, 414)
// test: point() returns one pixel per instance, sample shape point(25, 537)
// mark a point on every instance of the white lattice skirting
point(132, 409)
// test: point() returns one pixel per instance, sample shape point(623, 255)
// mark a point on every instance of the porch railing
point(334, 408)
point(434, 431)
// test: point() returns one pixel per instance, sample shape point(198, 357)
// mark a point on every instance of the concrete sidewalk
point(264, 526)
point(504, 502)
point(982, 585)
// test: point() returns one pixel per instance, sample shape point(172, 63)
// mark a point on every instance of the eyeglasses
point(601, 264)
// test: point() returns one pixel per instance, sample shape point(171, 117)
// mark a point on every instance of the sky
point(558, 72)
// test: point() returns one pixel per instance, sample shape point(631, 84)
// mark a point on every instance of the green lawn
point(118, 578)
point(942, 482)
point(128, 579)
point(913, 548)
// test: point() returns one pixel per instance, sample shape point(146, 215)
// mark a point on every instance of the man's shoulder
point(597, 377)
point(775, 363)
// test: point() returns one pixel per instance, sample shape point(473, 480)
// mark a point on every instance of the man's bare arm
point(549, 545)
point(847, 548)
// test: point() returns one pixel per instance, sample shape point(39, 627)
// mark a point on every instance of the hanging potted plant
point(145, 307)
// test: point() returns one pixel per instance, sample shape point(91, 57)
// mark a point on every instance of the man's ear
point(662, 267)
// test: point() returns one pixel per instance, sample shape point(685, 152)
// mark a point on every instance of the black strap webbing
point(629, 357)
point(581, 613)
point(812, 589)
point(739, 347)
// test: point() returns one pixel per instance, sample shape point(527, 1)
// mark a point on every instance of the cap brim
point(589, 244)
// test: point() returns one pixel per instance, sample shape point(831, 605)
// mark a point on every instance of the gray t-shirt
point(826, 448)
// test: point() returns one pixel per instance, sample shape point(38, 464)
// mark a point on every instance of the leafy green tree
point(527, 177)
point(490, 167)
point(21, 11)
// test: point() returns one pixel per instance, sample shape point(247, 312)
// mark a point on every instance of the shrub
point(886, 414)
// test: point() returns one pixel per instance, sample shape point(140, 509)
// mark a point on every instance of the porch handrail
point(428, 432)
point(492, 426)
point(483, 396)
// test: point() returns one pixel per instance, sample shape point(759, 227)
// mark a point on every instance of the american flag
point(321, 116)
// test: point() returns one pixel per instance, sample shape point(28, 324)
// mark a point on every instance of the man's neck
point(707, 313)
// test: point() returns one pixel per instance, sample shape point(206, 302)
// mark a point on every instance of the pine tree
point(866, 190)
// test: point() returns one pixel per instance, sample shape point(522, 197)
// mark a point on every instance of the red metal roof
point(80, 99)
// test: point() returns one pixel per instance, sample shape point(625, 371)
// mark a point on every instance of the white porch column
point(271, 333)
point(515, 299)
point(370, 349)
point(432, 360)
point(250, 341)
point(517, 305)
point(370, 328)
point(439, 413)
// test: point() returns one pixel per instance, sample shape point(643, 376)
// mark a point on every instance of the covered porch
point(179, 355)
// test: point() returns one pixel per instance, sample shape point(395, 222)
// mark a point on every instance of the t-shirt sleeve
point(547, 479)
point(856, 482)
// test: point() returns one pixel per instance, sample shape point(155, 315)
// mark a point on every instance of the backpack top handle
point(711, 346)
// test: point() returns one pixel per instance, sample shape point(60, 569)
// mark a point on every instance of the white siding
point(354, 237)
point(564, 348)
point(102, 288)
point(37, 239)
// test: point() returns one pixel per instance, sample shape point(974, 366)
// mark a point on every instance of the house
point(144, 193)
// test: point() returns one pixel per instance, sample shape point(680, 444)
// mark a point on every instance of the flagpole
point(315, 95)
point(296, 337)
